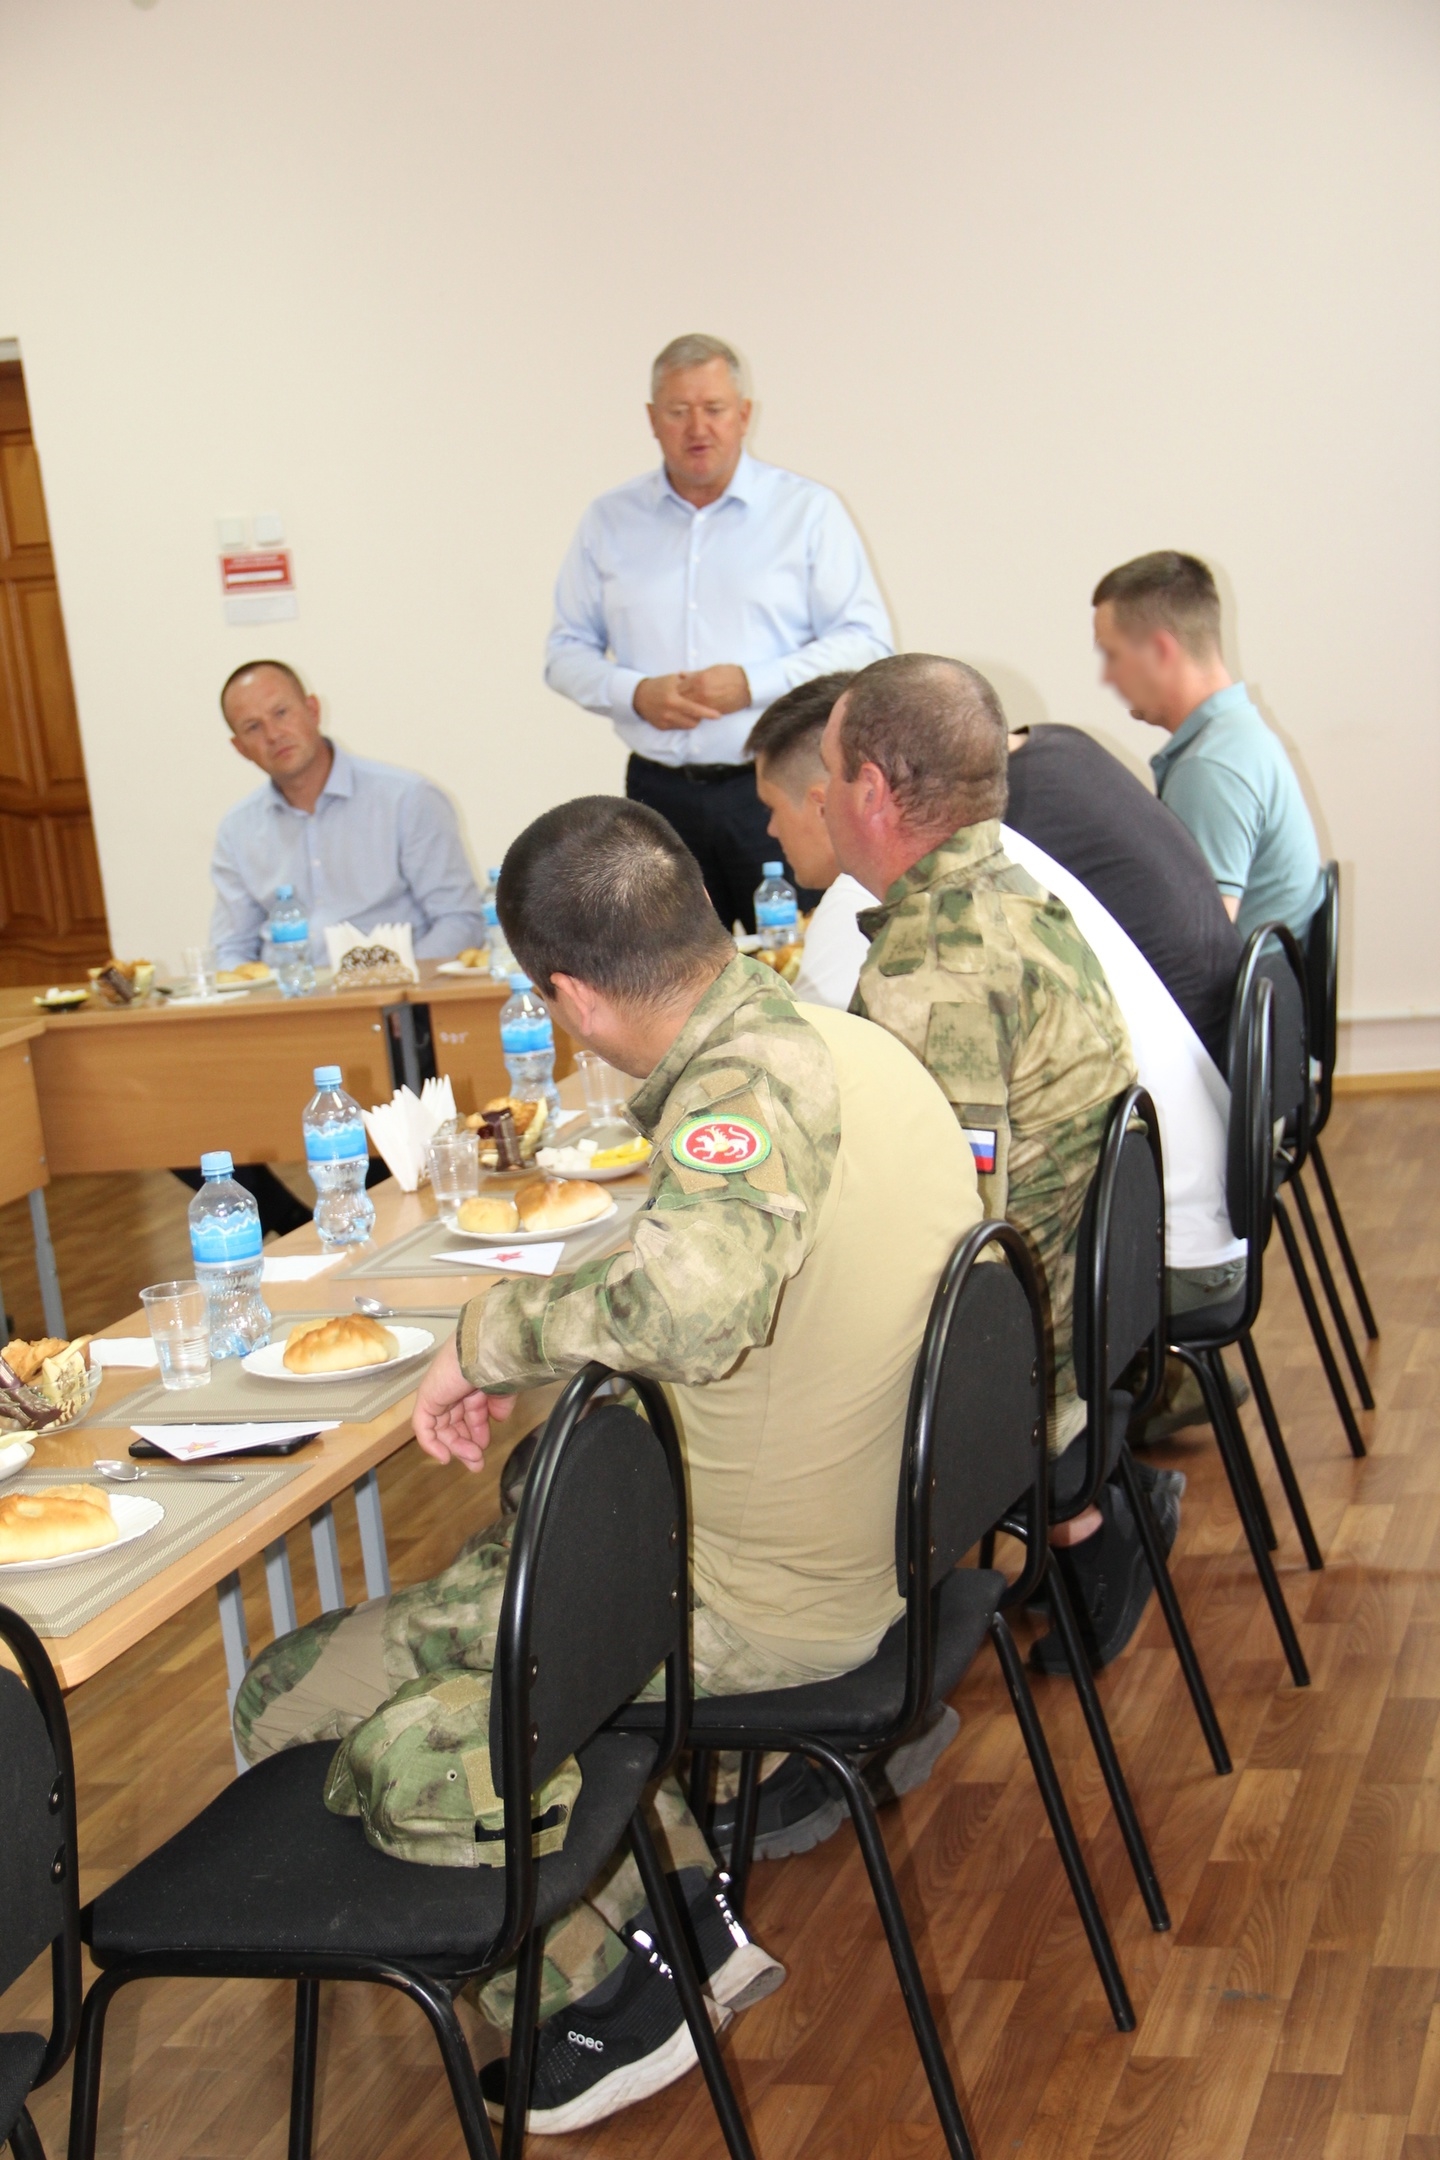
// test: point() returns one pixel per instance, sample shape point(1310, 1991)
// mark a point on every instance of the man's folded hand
point(452, 1418)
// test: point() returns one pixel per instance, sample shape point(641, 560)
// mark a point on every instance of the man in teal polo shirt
point(1223, 772)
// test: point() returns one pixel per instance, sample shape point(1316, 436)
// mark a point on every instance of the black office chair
point(1198, 1338)
point(1322, 969)
point(39, 1874)
point(267, 1884)
point(974, 1460)
point(1119, 1315)
point(1272, 948)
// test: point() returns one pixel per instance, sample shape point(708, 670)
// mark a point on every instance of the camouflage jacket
point(747, 1082)
point(986, 978)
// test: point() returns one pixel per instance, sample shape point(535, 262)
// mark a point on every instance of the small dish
point(14, 1454)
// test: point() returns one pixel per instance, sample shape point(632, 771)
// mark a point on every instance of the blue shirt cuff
point(622, 686)
point(768, 681)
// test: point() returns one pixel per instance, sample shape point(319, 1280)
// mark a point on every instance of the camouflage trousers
point(325, 1680)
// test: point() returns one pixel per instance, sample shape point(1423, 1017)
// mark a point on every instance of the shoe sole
point(802, 1836)
point(748, 1975)
point(908, 1767)
point(621, 2089)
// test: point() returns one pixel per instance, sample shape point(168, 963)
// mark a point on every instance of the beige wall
point(1035, 287)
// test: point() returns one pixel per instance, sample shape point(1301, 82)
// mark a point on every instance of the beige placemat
point(65, 1599)
point(414, 1254)
point(236, 1397)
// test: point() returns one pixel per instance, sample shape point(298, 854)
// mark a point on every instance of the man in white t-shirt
point(790, 781)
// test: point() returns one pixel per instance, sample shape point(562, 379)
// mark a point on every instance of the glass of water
point(180, 1330)
point(607, 1089)
point(454, 1168)
point(199, 964)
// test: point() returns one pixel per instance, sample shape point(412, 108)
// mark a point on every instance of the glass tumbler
point(454, 1168)
point(180, 1330)
point(607, 1089)
point(199, 964)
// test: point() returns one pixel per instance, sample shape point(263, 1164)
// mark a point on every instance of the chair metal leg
point(1300, 1513)
point(902, 1948)
point(459, 2064)
point(698, 1791)
point(1174, 1617)
point(987, 1550)
point(660, 1899)
point(85, 2083)
point(302, 2074)
point(522, 2044)
point(25, 2138)
point(1332, 1295)
point(1210, 1372)
point(1103, 1743)
point(1041, 1761)
point(742, 1843)
point(1337, 1224)
point(1317, 1326)
point(1245, 1463)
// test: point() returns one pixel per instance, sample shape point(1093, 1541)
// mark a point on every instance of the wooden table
point(151, 1087)
point(347, 1458)
point(24, 1167)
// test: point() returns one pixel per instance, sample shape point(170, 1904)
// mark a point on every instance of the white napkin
point(123, 1350)
point(297, 1267)
point(192, 1443)
point(398, 937)
point(513, 1259)
point(403, 1128)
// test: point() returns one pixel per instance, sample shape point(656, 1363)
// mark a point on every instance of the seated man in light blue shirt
point(1223, 772)
point(693, 597)
point(358, 842)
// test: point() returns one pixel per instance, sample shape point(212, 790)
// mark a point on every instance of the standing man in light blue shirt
point(694, 596)
point(359, 842)
point(1223, 772)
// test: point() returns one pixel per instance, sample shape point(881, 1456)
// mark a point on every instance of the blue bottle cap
point(494, 873)
point(773, 869)
point(521, 982)
point(327, 1076)
point(218, 1164)
point(284, 892)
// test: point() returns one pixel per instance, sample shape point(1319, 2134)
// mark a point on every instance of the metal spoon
point(127, 1473)
point(376, 1311)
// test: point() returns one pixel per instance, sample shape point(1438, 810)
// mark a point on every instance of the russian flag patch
point(982, 1147)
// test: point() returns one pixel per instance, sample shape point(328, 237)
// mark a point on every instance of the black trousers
point(722, 821)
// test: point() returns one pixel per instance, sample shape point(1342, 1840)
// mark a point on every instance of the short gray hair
point(937, 732)
point(692, 350)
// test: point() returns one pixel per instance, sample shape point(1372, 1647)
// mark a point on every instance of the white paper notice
point(298, 1267)
point(123, 1350)
point(512, 1259)
point(192, 1443)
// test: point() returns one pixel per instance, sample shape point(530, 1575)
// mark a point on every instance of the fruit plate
point(133, 1514)
point(269, 1363)
point(525, 1237)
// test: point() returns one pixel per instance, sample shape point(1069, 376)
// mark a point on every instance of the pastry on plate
point(49, 1524)
point(339, 1345)
point(491, 1215)
point(560, 1203)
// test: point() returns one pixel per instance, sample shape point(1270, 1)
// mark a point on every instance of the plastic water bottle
point(777, 913)
point(290, 937)
point(337, 1158)
point(226, 1247)
point(528, 1041)
point(502, 960)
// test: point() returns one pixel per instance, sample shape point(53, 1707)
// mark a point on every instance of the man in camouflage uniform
point(986, 978)
point(772, 1283)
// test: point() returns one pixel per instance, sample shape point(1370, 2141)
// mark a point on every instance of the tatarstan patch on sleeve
point(720, 1144)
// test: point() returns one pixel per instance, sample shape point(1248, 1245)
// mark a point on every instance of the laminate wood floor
point(1293, 2010)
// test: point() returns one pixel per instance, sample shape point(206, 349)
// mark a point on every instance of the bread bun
point(59, 1520)
point(489, 1215)
point(339, 1345)
point(560, 1203)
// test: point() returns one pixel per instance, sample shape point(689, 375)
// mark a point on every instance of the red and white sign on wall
point(258, 586)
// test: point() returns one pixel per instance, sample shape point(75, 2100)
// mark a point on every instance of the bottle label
point(491, 913)
point(776, 914)
point(215, 1242)
point(523, 1038)
point(289, 933)
point(336, 1143)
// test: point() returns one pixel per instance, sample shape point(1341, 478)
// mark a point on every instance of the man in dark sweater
point(1071, 797)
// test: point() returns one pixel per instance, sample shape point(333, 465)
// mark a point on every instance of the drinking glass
point(454, 1168)
point(607, 1089)
point(198, 962)
point(180, 1330)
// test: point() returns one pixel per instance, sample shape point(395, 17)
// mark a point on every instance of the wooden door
point(52, 905)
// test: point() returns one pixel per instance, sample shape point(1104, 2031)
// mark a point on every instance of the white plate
point(14, 1455)
point(599, 1177)
point(213, 997)
point(269, 1363)
point(458, 967)
point(525, 1237)
point(133, 1515)
point(226, 981)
